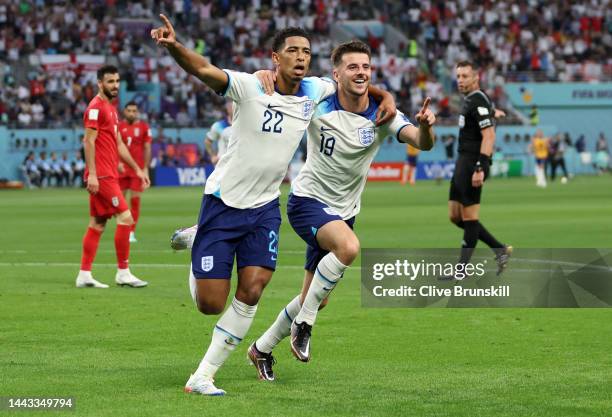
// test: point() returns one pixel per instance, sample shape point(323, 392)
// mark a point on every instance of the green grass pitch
point(128, 352)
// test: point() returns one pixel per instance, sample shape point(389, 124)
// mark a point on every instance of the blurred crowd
point(511, 41)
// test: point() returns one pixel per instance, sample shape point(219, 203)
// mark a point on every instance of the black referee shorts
point(461, 189)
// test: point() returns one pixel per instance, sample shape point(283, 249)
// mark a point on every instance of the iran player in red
point(103, 147)
point(136, 135)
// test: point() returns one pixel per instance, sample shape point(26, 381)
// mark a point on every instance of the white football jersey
point(266, 131)
point(220, 132)
point(341, 147)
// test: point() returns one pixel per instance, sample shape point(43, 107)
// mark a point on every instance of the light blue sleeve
point(241, 86)
point(214, 132)
point(318, 89)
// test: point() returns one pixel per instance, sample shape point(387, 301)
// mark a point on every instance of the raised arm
point(422, 137)
point(192, 62)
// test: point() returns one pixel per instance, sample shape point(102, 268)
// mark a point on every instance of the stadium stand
point(49, 51)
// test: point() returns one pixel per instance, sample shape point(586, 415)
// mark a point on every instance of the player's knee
point(348, 250)
point(210, 307)
point(455, 219)
point(250, 295)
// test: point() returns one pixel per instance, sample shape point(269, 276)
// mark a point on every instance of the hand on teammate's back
point(386, 110)
point(267, 78)
point(164, 35)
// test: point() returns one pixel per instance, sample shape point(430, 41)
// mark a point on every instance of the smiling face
point(353, 73)
point(293, 58)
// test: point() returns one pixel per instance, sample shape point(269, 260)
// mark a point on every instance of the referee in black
point(476, 144)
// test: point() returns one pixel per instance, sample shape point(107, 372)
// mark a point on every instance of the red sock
point(90, 248)
point(122, 245)
point(135, 209)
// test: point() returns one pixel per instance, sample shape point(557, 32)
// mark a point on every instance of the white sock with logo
point(281, 328)
point(227, 334)
point(328, 273)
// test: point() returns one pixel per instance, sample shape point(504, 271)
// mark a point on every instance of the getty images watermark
point(533, 278)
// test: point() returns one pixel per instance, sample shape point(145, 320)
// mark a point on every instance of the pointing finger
point(166, 21)
point(425, 105)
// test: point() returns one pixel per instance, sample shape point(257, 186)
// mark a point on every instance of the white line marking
point(113, 265)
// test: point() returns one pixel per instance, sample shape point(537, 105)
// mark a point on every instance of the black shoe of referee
point(502, 258)
point(300, 340)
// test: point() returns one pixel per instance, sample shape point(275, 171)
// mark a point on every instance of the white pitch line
point(114, 265)
point(139, 250)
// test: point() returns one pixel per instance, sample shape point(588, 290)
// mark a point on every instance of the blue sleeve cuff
point(399, 130)
point(229, 83)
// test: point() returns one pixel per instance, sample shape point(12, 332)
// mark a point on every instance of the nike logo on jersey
point(324, 129)
point(272, 107)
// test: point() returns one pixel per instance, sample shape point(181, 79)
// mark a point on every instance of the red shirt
point(102, 116)
point(135, 136)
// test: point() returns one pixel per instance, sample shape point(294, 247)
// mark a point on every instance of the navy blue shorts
point(412, 160)
point(251, 235)
point(307, 215)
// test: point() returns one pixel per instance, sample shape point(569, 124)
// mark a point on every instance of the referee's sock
point(470, 238)
point(488, 238)
point(484, 235)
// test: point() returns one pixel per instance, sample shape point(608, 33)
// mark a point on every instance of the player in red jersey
point(136, 135)
point(103, 147)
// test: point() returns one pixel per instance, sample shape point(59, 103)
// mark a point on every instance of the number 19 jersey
point(266, 131)
point(341, 147)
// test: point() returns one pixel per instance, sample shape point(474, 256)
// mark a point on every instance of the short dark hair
point(279, 37)
point(107, 69)
point(130, 103)
point(466, 63)
point(347, 48)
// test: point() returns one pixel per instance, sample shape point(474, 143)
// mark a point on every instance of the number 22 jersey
point(266, 131)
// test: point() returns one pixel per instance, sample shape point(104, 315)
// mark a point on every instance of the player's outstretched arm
point(89, 148)
point(422, 137)
point(189, 60)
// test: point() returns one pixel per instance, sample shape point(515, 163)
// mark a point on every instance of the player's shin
point(122, 245)
point(135, 210)
point(227, 334)
point(471, 230)
point(328, 273)
point(281, 327)
point(90, 248)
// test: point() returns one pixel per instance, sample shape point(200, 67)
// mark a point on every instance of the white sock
point(85, 274)
point(281, 328)
point(227, 334)
point(328, 273)
point(192, 286)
